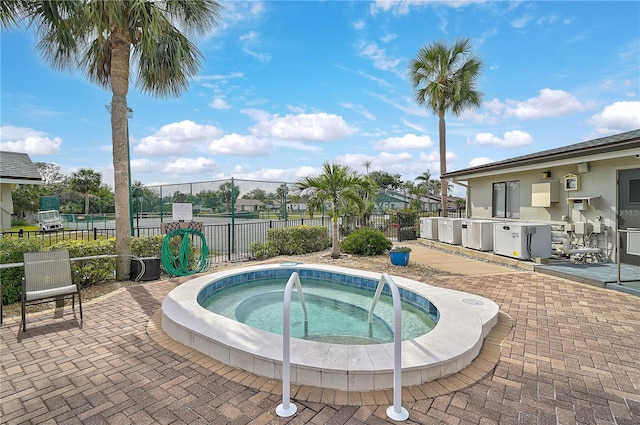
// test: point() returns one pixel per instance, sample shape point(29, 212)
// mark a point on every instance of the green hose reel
point(184, 262)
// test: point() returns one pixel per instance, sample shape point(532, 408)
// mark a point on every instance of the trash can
point(151, 269)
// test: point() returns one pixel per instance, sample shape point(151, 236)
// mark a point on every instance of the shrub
point(365, 241)
point(401, 249)
point(147, 246)
point(406, 233)
point(262, 251)
point(88, 272)
point(11, 251)
point(295, 240)
point(299, 240)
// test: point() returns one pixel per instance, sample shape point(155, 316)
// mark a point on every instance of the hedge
point(85, 272)
point(295, 240)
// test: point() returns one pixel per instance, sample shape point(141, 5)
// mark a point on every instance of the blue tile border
point(407, 296)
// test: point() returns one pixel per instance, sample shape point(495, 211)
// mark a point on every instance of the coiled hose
point(184, 263)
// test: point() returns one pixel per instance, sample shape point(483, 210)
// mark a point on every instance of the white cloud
point(402, 7)
point(409, 141)
point(360, 109)
point(481, 160)
point(521, 22)
point(617, 118)
point(177, 138)
point(376, 54)
point(417, 127)
point(550, 103)
point(510, 139)
point(190, 166)
point(219, 103)
point(299, 146)
point(304, 127)
point(144, 165)
point(388, 38)
point(236, 144)
point(27, 140)
point(219, 77)
point(358, 25)
point(256, 114)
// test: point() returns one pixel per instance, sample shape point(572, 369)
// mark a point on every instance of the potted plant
point(399, 255)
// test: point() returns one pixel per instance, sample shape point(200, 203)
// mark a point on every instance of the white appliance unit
point(429, 228)
point(450, 230)
point(478, 234)
point(524, 241)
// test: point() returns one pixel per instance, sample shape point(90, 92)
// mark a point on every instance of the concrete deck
point(562, 353)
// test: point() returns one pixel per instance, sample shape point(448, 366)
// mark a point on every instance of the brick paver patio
point(563, 353)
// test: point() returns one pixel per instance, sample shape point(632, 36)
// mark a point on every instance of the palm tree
point(87, 182)
point(444, 79)
point(106, 40)
point(367, 164)
point(338, 186)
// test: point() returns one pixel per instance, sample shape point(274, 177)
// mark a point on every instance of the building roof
point(249, 202)
point(16, 167)
point(617, 142)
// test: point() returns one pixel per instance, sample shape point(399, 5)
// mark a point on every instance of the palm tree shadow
point(146, 301)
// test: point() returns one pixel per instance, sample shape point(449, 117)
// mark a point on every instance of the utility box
point(429, 227)
point(544, 194)
point(450, 230)
point(151, 269)
point(583, 228)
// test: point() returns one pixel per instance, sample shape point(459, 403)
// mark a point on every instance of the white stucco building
point(589, 189)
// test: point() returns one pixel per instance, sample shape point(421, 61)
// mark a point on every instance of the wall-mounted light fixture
point(583, 167)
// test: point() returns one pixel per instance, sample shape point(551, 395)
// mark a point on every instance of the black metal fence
point(233, 241)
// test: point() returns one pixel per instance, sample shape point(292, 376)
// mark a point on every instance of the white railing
point(286, 408)
point(395, 412)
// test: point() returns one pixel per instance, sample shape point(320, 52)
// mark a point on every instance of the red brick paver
point(572, 356)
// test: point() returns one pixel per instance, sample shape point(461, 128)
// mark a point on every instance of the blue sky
point(286, 86)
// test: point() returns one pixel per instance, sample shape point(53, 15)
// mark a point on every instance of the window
point(634, 191)
point(506, 200)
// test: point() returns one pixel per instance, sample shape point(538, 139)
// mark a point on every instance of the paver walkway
point(572, 356)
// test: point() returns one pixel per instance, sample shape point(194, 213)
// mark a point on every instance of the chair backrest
point(47, 270)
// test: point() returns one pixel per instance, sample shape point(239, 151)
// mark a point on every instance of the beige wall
point(6, 205)
point(599, 181)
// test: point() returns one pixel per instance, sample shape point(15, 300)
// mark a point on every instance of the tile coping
point(465, 320)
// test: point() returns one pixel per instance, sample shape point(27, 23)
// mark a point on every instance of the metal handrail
point(90, 257)
point(395, 412)
point(286, 408)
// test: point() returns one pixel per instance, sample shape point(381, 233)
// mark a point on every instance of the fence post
point(95, 233)
point(21, 233)
point(229, 240)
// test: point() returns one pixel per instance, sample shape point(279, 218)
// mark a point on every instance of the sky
point(288, 85)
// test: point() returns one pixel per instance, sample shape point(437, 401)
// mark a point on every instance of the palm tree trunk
point(443, 163)
point(86, 204)
point(335, 251)
point(119, 88)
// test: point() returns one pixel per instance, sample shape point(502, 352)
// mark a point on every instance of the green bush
point(88, 272)
point(299, 240)
point(406, 233)
point(365, 241)
point(11, 251)
point(262, 251)
point(147, 246)
point(295, 240)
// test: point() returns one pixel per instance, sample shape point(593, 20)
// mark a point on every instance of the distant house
point(15, 168)
point(248, 205)
point(391, 200)
point(589, 189)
